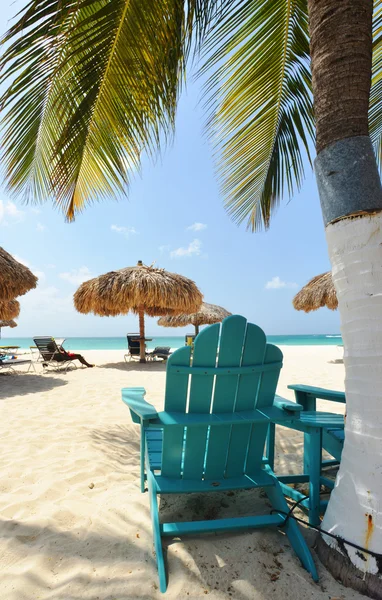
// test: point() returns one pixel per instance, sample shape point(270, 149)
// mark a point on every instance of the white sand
point(74, 524)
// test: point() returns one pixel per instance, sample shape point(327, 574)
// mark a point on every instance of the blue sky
point(174, 216)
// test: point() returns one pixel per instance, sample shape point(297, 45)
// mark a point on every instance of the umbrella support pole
point(142, 343)
point(196, 329)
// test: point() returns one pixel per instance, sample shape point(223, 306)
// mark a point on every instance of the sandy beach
point(74, 523)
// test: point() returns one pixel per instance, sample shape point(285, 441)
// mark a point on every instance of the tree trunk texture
point(341, 55)
point(355, 508)
point(142, 343)
point(351, 200)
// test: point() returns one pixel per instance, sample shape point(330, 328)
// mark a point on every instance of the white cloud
point(40, 227)
point(46, 300)
point(35, 211)
point(193, 249)
point(125, 231)
point(197, 227)
point(277, 284)
point(10, 213)
point(77, 276)
point(165, 248)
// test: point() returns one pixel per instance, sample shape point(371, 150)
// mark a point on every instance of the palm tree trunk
point(142, 343)
point(351, 201)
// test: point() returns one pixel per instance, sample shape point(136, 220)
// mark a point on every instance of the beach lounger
point(10, 364)
point(162, 352)
point(49, 351)
point(211, 434)
point(133, 345)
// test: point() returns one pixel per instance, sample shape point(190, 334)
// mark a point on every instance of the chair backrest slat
point(246, 399)
point(253, 353)
point(47, 346)
point(133, 343)
point(177, 384)
point(201, 387)
point(248, 380)
point(266, 394)
point(230, 352)
point(175, 400)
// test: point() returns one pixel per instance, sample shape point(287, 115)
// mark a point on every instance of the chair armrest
point(287, 405)
point(318, 393)
point(140, 410)
point(277, 414)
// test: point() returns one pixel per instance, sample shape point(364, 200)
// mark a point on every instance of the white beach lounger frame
point(12, 363)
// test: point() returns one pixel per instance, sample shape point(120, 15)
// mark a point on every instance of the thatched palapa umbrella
point(206, 315)
point(317, 293)
point(142, 290)
point(15, 278)
point(10, 309)
point(10, 323)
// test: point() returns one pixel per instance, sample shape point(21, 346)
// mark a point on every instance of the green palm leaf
point(261, 104)
point(93, 84)
point(31, 62)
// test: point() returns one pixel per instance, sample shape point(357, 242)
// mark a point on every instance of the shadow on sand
point(120, 444)
point(23, 384)
point(156, 365)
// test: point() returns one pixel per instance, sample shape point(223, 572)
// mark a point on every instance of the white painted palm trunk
point(355, 507)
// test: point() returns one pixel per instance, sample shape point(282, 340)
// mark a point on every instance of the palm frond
point(93, 84)
point(35, 49)
point(260, 100)
point(375, 105)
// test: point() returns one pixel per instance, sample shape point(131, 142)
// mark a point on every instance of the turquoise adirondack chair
point(219, 401)
point(322, 431)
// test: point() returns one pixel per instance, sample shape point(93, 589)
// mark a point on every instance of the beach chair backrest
point(133, 343)
point(47, 346)
point(232, 369)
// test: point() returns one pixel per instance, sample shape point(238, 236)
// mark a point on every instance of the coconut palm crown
point(76, 122)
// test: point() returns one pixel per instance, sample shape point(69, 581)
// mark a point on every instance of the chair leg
point(270, 449)
point(295, 536)
point(156, 532)
point(143, 454)
point(312, 466)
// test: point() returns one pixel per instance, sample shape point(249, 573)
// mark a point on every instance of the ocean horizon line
point(172, 341)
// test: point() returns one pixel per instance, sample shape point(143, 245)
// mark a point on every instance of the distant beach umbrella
point(317, 293)
point(10, 323)
point(141, 290)
point(10, 309)
point(206, 315)
point(15, 278)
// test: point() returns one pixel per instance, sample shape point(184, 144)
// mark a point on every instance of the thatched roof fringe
point(10, 323)
point(9, 309)
point(206, 315)
point(157, 291)
point(318, 292)
point(15, 278)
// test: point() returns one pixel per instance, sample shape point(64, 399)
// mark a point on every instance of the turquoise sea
point(119, 343)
